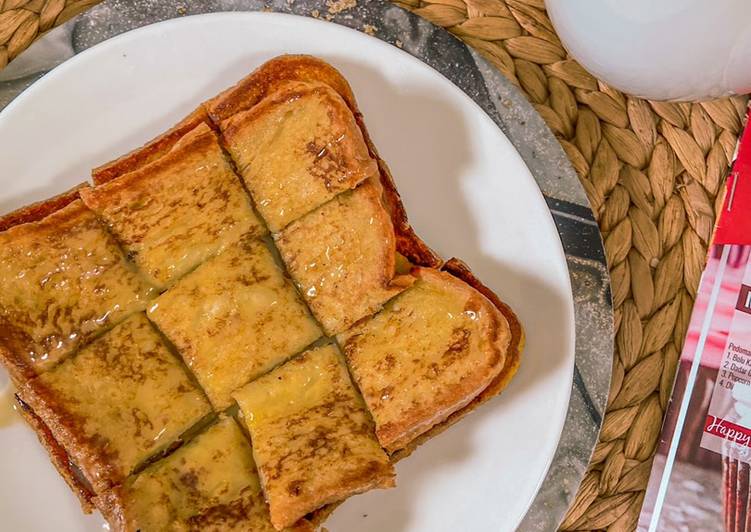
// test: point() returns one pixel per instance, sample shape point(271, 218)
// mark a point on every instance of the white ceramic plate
point(467, 192)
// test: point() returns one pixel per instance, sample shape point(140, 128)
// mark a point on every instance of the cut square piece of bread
point(117, 402)
point(312, 438)
point(342, 257)
point(177, 211)
point(427, 354)
point(296, 149)
point(234, 318)
point(64, 280)
point(208, 484)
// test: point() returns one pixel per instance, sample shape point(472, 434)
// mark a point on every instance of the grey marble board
point(513, 114)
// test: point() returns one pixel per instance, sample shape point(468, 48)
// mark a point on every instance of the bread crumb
point(369, 29)
point(399, 44)
point(315, 13)
point(337, 6)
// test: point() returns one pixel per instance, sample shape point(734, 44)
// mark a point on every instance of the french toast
point(117, 402)
point(343, 257)
point(284, 151)
point(175, 212)
point(208, 485)
point(234, 318)
point(152, 151)
point(312, 438)
point(296, 149)
point(64, 281)
point(59, 457)
point(428, 353)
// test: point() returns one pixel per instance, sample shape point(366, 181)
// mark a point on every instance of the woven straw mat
point(652, 172)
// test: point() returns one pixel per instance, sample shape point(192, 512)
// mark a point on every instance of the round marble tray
point(508, 108)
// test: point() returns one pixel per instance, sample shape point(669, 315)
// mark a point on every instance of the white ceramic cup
point(660, 49)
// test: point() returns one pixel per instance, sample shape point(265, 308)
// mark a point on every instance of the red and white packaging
point(701, 475)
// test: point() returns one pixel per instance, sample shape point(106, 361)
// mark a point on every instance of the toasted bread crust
point(323, 252)
point(407, 242)
point(513, 357)
point(244, 95)
point(18, 369)
point(446, 344)
point(40, 209)
point(130, 362)
point(60, 459)
point(151, 151)
point(177, 211)
point(296, 149)
point(251, 89)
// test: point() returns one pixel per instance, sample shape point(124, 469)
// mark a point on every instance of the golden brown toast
point(234, 318)
point(269, 76)
point(345, 243)
point(513, 358)
point(41, 209)
point(64, 280)
point(118, 401)
point(152, 151)
point(296, 149)
point(305, 68)
point(427, 354)
point(59, 457)
point(175, 212)
point(312, 438)
point(209, 484)
point(343, 257)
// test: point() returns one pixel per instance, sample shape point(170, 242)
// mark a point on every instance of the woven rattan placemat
point(652, 172)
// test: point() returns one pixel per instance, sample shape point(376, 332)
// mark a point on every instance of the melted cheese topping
point(342, 257)
point(63, 280)
point(209, 484)
point(312, 438)
point(174, 213)
point(427, 353)
point(121, 399)
point(297, 149)
point(234, 318)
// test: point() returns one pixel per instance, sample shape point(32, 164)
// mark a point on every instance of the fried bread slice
point(152, 151)
point(342, 257)
point(177, 211)
point(59, 457)
point(296, 149)
point(118, 401)
point(269, 76)
point(208, 485)
point(312, 438)
point(309, 69)
point(460, 270)
point(427, 354)
point(64, 281)
point(234, 318)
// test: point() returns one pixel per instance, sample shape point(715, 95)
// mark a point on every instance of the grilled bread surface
point(312, 438)
point(110, 392)
point(343, 257)
point(426, 355)
point(209, 484)
point(175, 212)
point(296, 149)
point(234, 318)
point(117, 402)
point(64, 280)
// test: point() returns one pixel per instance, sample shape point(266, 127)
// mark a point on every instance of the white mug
point(660, 49)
